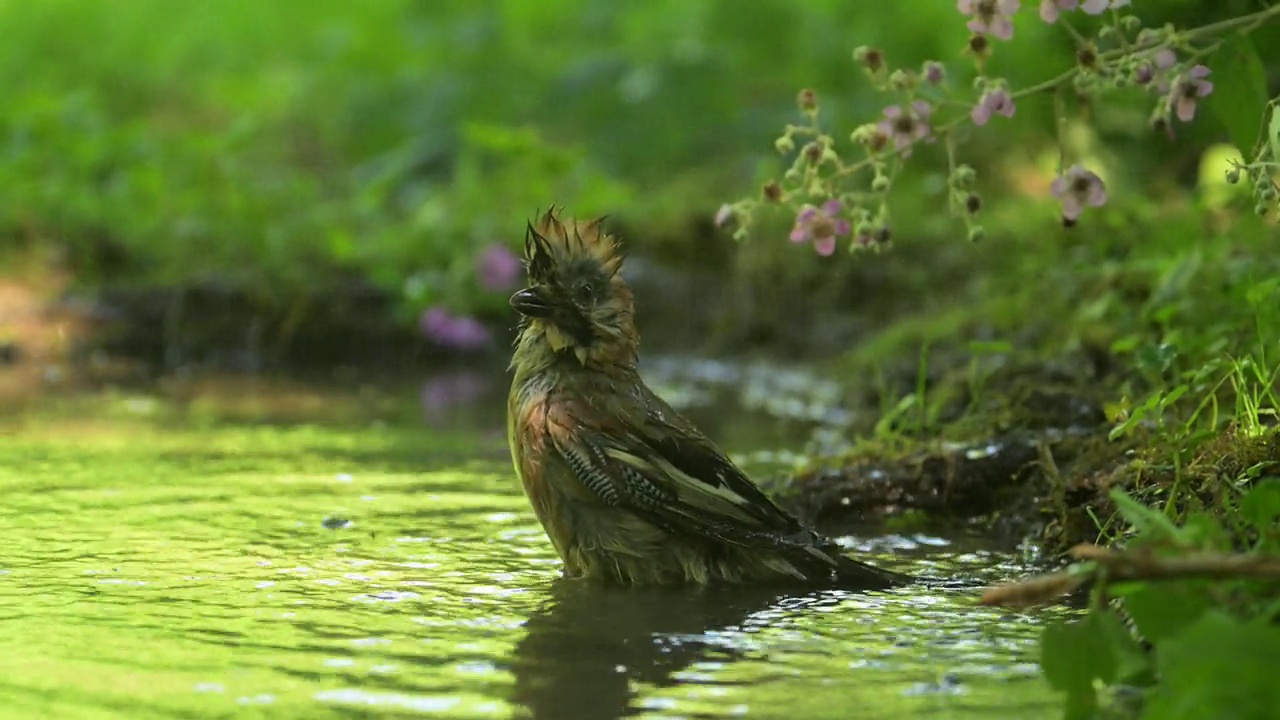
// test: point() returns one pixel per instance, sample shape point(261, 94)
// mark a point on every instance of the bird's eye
point(586, 293)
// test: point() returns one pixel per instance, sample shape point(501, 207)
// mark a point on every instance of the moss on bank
point(1141, 354)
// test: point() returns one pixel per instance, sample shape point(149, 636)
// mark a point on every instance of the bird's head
point(576, 301)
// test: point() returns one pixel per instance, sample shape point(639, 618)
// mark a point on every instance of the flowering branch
point(851, 198)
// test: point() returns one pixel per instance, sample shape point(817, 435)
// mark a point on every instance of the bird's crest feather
point(550, 241)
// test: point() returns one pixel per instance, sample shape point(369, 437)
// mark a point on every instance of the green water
point(174, 563)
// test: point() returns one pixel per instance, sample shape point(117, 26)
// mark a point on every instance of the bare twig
point(1099, 563)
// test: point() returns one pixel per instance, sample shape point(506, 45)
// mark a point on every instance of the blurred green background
point(293, 148)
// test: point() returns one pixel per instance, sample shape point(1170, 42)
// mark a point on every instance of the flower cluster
point(845, 200)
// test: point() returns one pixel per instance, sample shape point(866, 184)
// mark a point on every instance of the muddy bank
point(1038, 463)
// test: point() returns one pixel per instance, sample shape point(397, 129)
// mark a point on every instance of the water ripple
point(226, 579)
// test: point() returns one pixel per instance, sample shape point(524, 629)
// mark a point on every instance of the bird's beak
point(532, 302)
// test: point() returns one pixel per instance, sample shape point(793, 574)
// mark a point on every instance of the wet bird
point(628, 491)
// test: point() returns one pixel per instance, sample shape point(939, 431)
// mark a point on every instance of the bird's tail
point(826, 562)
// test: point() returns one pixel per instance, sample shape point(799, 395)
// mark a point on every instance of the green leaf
point(1130, 663)
point(1152, 525)
point(1239, 91)
point(1218, 668)
point(1261, 505)
point(1157, 358)
point(1173, 396)
point(1260, 294)
point(1094, 649)
point(1136, 416)
point(1070, 653)
point(1203, 530)
point(1163, 611)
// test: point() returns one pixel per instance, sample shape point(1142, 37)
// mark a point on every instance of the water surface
point(186, 561)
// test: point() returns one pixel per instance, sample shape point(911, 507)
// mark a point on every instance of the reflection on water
point(152, 567)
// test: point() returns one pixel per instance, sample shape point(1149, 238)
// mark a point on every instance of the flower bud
point(772, 191)
point(934, 72)
point(978, 45)
point(807, 100)
point(1087, 56)
point(870, 58)
point(963, 176)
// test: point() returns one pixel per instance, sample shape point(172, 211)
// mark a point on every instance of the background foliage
point(290, 144)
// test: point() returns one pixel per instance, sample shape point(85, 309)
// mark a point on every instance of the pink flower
point(497, 267)
point(906, 126)
point(1050, 9)
point(457, 332)
point(1097, 7)
point(1157, 68)
point(1187, 89)
point(820, 225)
point(1077, 188)
point(996, 100)
point(990, 17)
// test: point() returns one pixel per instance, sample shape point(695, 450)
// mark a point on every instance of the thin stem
point(1060, 119)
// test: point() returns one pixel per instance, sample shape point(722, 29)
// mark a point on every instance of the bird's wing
point(652, 462)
